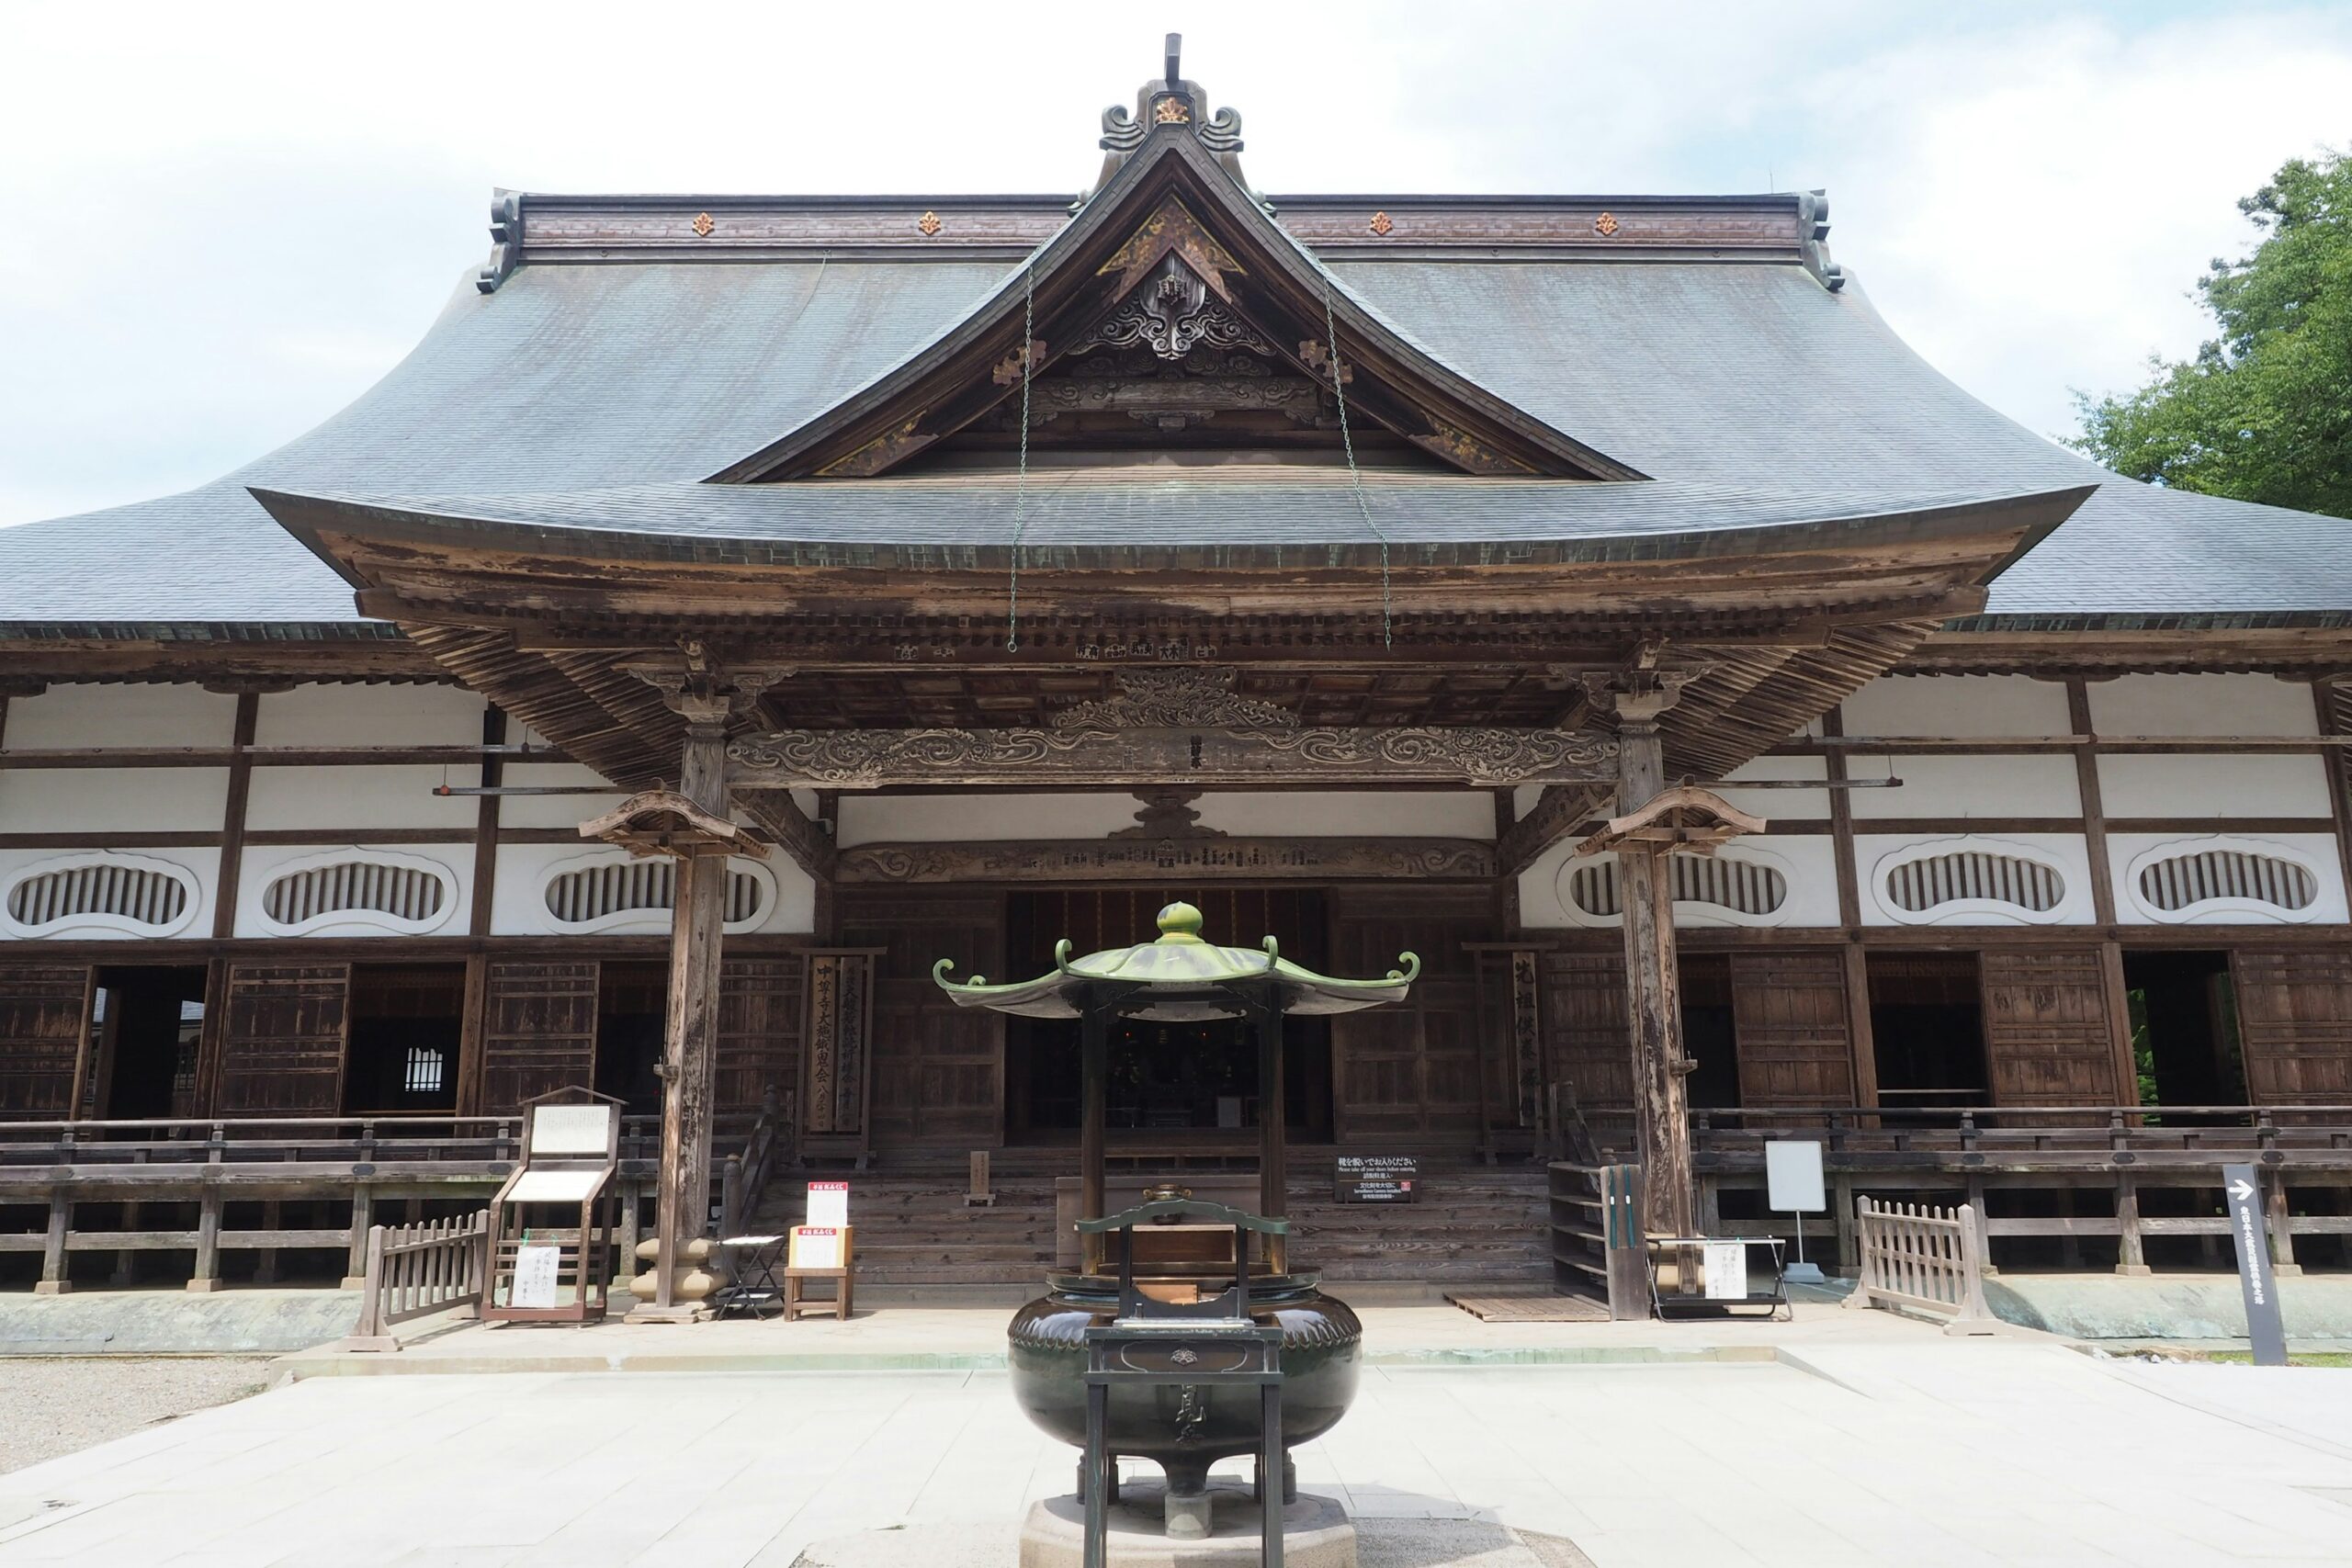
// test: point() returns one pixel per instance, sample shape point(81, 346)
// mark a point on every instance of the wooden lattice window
point(408, 893)
point(1975, 876)
point(2183, 880)
point(1742, 886)
point(116, 892)
point(612, 892)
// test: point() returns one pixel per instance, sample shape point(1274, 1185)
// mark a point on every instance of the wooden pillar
point(53, 1281)
point(2281, 1223)
point(363, 1215)
point(1653, 998)
point(1093, 1072)
point(2132, 1252)
point(1273, 1141)
point(207, 1275)
point(691, 1047)
point(266, 1266)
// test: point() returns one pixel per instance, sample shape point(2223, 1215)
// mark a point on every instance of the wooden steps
point(1477, 1223)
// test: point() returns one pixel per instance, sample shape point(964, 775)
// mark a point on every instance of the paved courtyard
point(1915, 1450)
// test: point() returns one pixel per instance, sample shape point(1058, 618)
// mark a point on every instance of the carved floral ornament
point(703, 225)
point(1172, 312)
point(1175, 699)
point(1605, 225)
point(929, 223)
point(1381, 223)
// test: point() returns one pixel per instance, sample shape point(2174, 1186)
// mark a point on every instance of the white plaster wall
point(1938, 785)
point(263, 862)
point(1523, 798)
point(360, 797)
point(554, 810)
point(2202, 704)
point(517, 905)
point(936, 819)
point(1786, 805)
point(163, 714)
point(204, 863)
point(1423, 814)
point(2213, 785)
point(2066, 850)
point(1807, 860)
point(2316, 852)
point(369, 716)
point(113, 800)
point(1957, 705)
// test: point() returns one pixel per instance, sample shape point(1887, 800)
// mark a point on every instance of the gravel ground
point(53, 1406)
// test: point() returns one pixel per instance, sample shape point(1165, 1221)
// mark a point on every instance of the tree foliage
point(2264, 412)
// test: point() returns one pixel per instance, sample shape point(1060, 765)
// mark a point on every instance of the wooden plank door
point(44, 1029)
point(1588, 1046)
point(1796, 1042)
point(2295, 1024)
point(938, 1069)
point(282, 1043)
point(538, 1030)
point(760, 1010)
point(1409, 1070)
point(2048, 1040)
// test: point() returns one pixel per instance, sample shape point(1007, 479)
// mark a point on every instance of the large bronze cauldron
point(1185, 1430)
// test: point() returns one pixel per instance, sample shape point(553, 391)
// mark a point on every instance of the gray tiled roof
point(1743, 387)
point(1277, 516)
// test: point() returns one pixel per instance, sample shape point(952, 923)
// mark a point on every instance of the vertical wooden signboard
point(839, 1064)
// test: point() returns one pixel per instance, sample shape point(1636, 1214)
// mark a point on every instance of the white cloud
point(226, 221)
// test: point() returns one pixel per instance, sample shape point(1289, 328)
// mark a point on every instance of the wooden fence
point(1923, 1259)
point(416, 1270)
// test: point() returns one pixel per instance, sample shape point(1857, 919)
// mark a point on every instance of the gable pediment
point(1174, 310)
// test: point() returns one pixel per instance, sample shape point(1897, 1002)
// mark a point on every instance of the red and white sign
point(829, 1203)
point(815, 1246)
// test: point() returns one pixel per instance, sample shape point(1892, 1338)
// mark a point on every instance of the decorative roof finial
point(1171, 101)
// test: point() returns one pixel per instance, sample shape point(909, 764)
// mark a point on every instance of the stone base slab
point(1317, 1532)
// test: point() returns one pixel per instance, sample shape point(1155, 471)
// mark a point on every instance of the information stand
point(1728, 1276)
point(551, 1223)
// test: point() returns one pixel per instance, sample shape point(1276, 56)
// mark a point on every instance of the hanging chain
point(1356, 475)
point(1020, 472)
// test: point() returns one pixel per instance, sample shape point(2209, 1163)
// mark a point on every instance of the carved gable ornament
point(1173, 261)
point(1188, 697)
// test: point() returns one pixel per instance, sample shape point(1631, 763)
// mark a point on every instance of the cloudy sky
point(224, 220)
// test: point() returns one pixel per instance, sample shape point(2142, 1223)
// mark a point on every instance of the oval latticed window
point(2216, 878)
point(1737, 887)
point(1977, 877)
point(612, 893)
point(117, 893)
point(398, 895)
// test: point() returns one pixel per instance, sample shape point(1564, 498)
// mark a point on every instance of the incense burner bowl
point(1185, 1430)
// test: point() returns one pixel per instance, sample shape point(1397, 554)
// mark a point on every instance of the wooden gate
point(538, 1030)
point(44, 1025)
point(282, 1042)
point(1795, 1040)
point(2048, 1039)
point(2295, 1024)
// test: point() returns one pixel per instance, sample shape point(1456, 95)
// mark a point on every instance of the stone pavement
point(1897, 1447)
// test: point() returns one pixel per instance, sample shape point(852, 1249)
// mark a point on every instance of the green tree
point(2264, 412)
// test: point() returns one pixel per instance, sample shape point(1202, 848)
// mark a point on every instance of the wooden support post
point(266, 1265)
point(126, 1262)
point(1653, 998)
point(1850, 1246)
point(2280, 1222)
point(626, 1233)
point(1273, 1149)
point(363, 1215)
point(1093, 1073)
point(1711, 1206)
point(53, 1281)
point(2131, 1255)
point(1976, 1201)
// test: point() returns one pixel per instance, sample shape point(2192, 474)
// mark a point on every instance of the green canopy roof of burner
point(1179, 978)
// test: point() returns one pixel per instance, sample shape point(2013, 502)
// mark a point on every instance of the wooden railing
point(130, 1168)
point(745, 1177)
point(2184, 1134)
point(416, 1270)
point(1926, 1259)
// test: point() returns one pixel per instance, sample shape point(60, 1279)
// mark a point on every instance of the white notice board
point(1726, 1269)
point(536, 1267)
point(829, 1203)
point(1793, 1177)
point(814, 1246)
